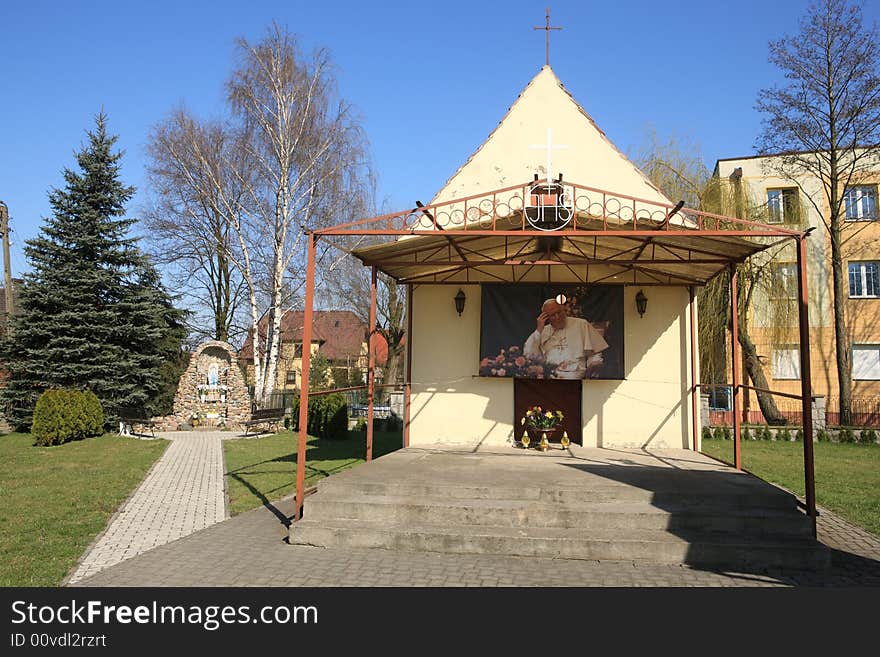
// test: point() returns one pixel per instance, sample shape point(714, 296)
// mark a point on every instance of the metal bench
point(266, 416)
point(129, 417)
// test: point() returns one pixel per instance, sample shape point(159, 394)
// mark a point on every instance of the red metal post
point(694, 389)
point(734, 357)
point(371, 384)
point(408, 398)
point(806, 381)
point(304, 379)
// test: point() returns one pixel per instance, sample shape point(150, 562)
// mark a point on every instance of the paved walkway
point(251, 550)
point(183, 493)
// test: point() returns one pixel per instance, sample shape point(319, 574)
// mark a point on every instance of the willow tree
point(824, 124)
point(676, 167)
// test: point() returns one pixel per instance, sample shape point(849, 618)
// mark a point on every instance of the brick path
point(183, 493)
point(250, 550)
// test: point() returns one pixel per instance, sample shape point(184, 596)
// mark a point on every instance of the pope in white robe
point(572, 344)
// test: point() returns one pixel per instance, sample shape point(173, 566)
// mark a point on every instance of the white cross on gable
point(549, 146)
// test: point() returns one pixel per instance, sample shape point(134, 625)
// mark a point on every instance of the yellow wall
point(651, 408)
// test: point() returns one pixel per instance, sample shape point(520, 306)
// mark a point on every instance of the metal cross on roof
point(547, 29)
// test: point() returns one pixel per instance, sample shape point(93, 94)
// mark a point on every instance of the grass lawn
point(57, 499)
point(260, 470)
point(847, 475)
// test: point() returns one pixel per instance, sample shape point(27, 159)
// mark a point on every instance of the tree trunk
point(756, 373)
point(754, 369)
point(841, 339)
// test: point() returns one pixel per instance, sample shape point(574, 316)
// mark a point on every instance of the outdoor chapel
point(549, 271)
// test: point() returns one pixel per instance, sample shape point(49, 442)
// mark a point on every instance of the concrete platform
point(670, 506)
point(251, 549)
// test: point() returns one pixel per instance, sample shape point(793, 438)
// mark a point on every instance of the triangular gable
point(508, 158)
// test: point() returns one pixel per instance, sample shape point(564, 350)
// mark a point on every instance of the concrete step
point(649, 546)
point(746, 496)
point(708, 516)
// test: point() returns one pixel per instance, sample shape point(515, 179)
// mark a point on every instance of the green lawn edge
point(262, 470)
point(56, 500)
point(847, 475)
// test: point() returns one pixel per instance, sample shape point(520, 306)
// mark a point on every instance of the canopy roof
point(609, 238)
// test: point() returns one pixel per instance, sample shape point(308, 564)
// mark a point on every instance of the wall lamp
point(459, 301)
point(641, 303)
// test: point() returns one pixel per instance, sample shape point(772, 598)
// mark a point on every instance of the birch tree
point(187, 222)
point(295, 160)
point(824, 124)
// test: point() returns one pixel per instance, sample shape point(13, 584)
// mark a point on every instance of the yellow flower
point(548, 414)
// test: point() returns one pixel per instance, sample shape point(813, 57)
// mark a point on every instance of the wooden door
point(552, 394)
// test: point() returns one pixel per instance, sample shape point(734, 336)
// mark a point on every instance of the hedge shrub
point(783, 435)
point(64, 415)
point(868, 436)
point(846, 435)
point(328, 416)
point(707, 433)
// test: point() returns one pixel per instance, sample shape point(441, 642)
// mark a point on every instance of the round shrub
point(717, 434)
point(64, 415)
point(707, 433)
point(335, 417)
point(799, 436)
point(783, 435)
point(745, 434)
point(726, 432)
point(328, 416)
point(822, 436)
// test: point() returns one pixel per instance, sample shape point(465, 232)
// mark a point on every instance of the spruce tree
point(93, 312)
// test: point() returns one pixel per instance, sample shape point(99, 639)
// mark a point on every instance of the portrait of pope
point(551, 331)
point(573, 346)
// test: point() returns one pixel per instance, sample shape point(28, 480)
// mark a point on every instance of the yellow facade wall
point(861, 242)
point(651, 408)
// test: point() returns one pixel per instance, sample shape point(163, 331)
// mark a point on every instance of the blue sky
point(430, 80)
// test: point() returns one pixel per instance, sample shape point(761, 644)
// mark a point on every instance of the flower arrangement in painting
point(512, 362)
point(539, 418)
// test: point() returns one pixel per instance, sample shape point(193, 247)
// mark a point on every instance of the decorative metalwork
point(590, 209)
point(549, 208)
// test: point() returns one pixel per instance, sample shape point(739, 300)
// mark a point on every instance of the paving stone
point(251, 549)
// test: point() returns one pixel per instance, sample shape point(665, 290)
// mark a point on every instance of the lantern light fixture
point(459, 301)
point(641, 303)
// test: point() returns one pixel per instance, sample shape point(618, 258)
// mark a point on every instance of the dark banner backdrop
point(509, 316)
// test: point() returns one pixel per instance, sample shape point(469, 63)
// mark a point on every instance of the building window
point(864, 280)
point(298, 350)
point(866, 362)
point(787, 362)
point(861, 203)
point(719, 399)
point(291, 378)
point(784, 280)
point(782, 206)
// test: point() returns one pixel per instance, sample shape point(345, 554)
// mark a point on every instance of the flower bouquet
point(540, 422)
point(512, 362)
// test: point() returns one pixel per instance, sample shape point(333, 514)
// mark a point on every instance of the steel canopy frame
point(458, 236)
